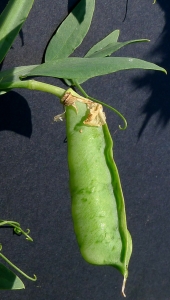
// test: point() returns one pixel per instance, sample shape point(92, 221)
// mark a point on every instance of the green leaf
point(80, 68)
point(11, 21)
point(13, 75)
point(8, 280)
point(71, 32)
point(110, 48)
point(109, 39)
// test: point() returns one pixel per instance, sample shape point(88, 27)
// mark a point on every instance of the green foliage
point(13, 75)
point(80, 68)
point(8, 280)
point(71, 32)
point(11, 21)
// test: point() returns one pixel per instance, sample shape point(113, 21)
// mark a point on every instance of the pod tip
point(123, 287)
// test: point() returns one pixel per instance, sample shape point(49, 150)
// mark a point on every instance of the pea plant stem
point(34, 85)
point(57, 91)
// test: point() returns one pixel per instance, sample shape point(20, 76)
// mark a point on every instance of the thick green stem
point(34, 85)
point(57, 91)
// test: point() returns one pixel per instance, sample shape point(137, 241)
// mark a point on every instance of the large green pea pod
point(98, 208)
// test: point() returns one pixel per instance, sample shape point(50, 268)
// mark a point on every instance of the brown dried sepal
point(68, 99)
point(96, 116)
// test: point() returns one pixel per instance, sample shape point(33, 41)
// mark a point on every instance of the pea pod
point(98, 209)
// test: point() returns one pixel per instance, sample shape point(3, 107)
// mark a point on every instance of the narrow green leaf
point(13, 75)
point(109, 39)
point(11, 21)
point(8, 279)
point(111, 48)
point(79, 68)
point(71, 32)
point(106, 48)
